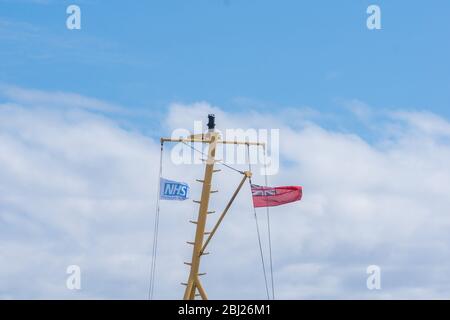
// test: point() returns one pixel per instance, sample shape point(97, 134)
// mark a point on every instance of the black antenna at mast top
point(211, 121)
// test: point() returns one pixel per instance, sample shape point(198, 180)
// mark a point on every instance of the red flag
point(275, 196)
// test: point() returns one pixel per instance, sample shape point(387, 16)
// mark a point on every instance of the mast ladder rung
point(184, 284)
point(205, 160)
point(196, 201)
point(200, 180)
point(201, 274)
point(210, 212)
point(207, 232)
point(194, 222)
point(190, 242)
point(188, 263)
point(214, 191)
point(217, 170)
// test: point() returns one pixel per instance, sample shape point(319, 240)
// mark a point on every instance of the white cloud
point(76, 188)
point(56, 99)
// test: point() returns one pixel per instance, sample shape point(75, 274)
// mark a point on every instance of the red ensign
point(275, 196)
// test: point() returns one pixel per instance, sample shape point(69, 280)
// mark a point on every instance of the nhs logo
point(173, 190)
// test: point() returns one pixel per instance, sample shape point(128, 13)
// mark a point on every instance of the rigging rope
point(155, 231)
point(219, 161)
point(268, 224)
point(257, 229)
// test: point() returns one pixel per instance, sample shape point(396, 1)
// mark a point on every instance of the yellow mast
point(199, 245)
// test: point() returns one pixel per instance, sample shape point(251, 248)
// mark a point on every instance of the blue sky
point(367, 112)
point(235, 54)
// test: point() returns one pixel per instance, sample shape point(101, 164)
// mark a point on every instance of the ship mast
point(211, 138)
